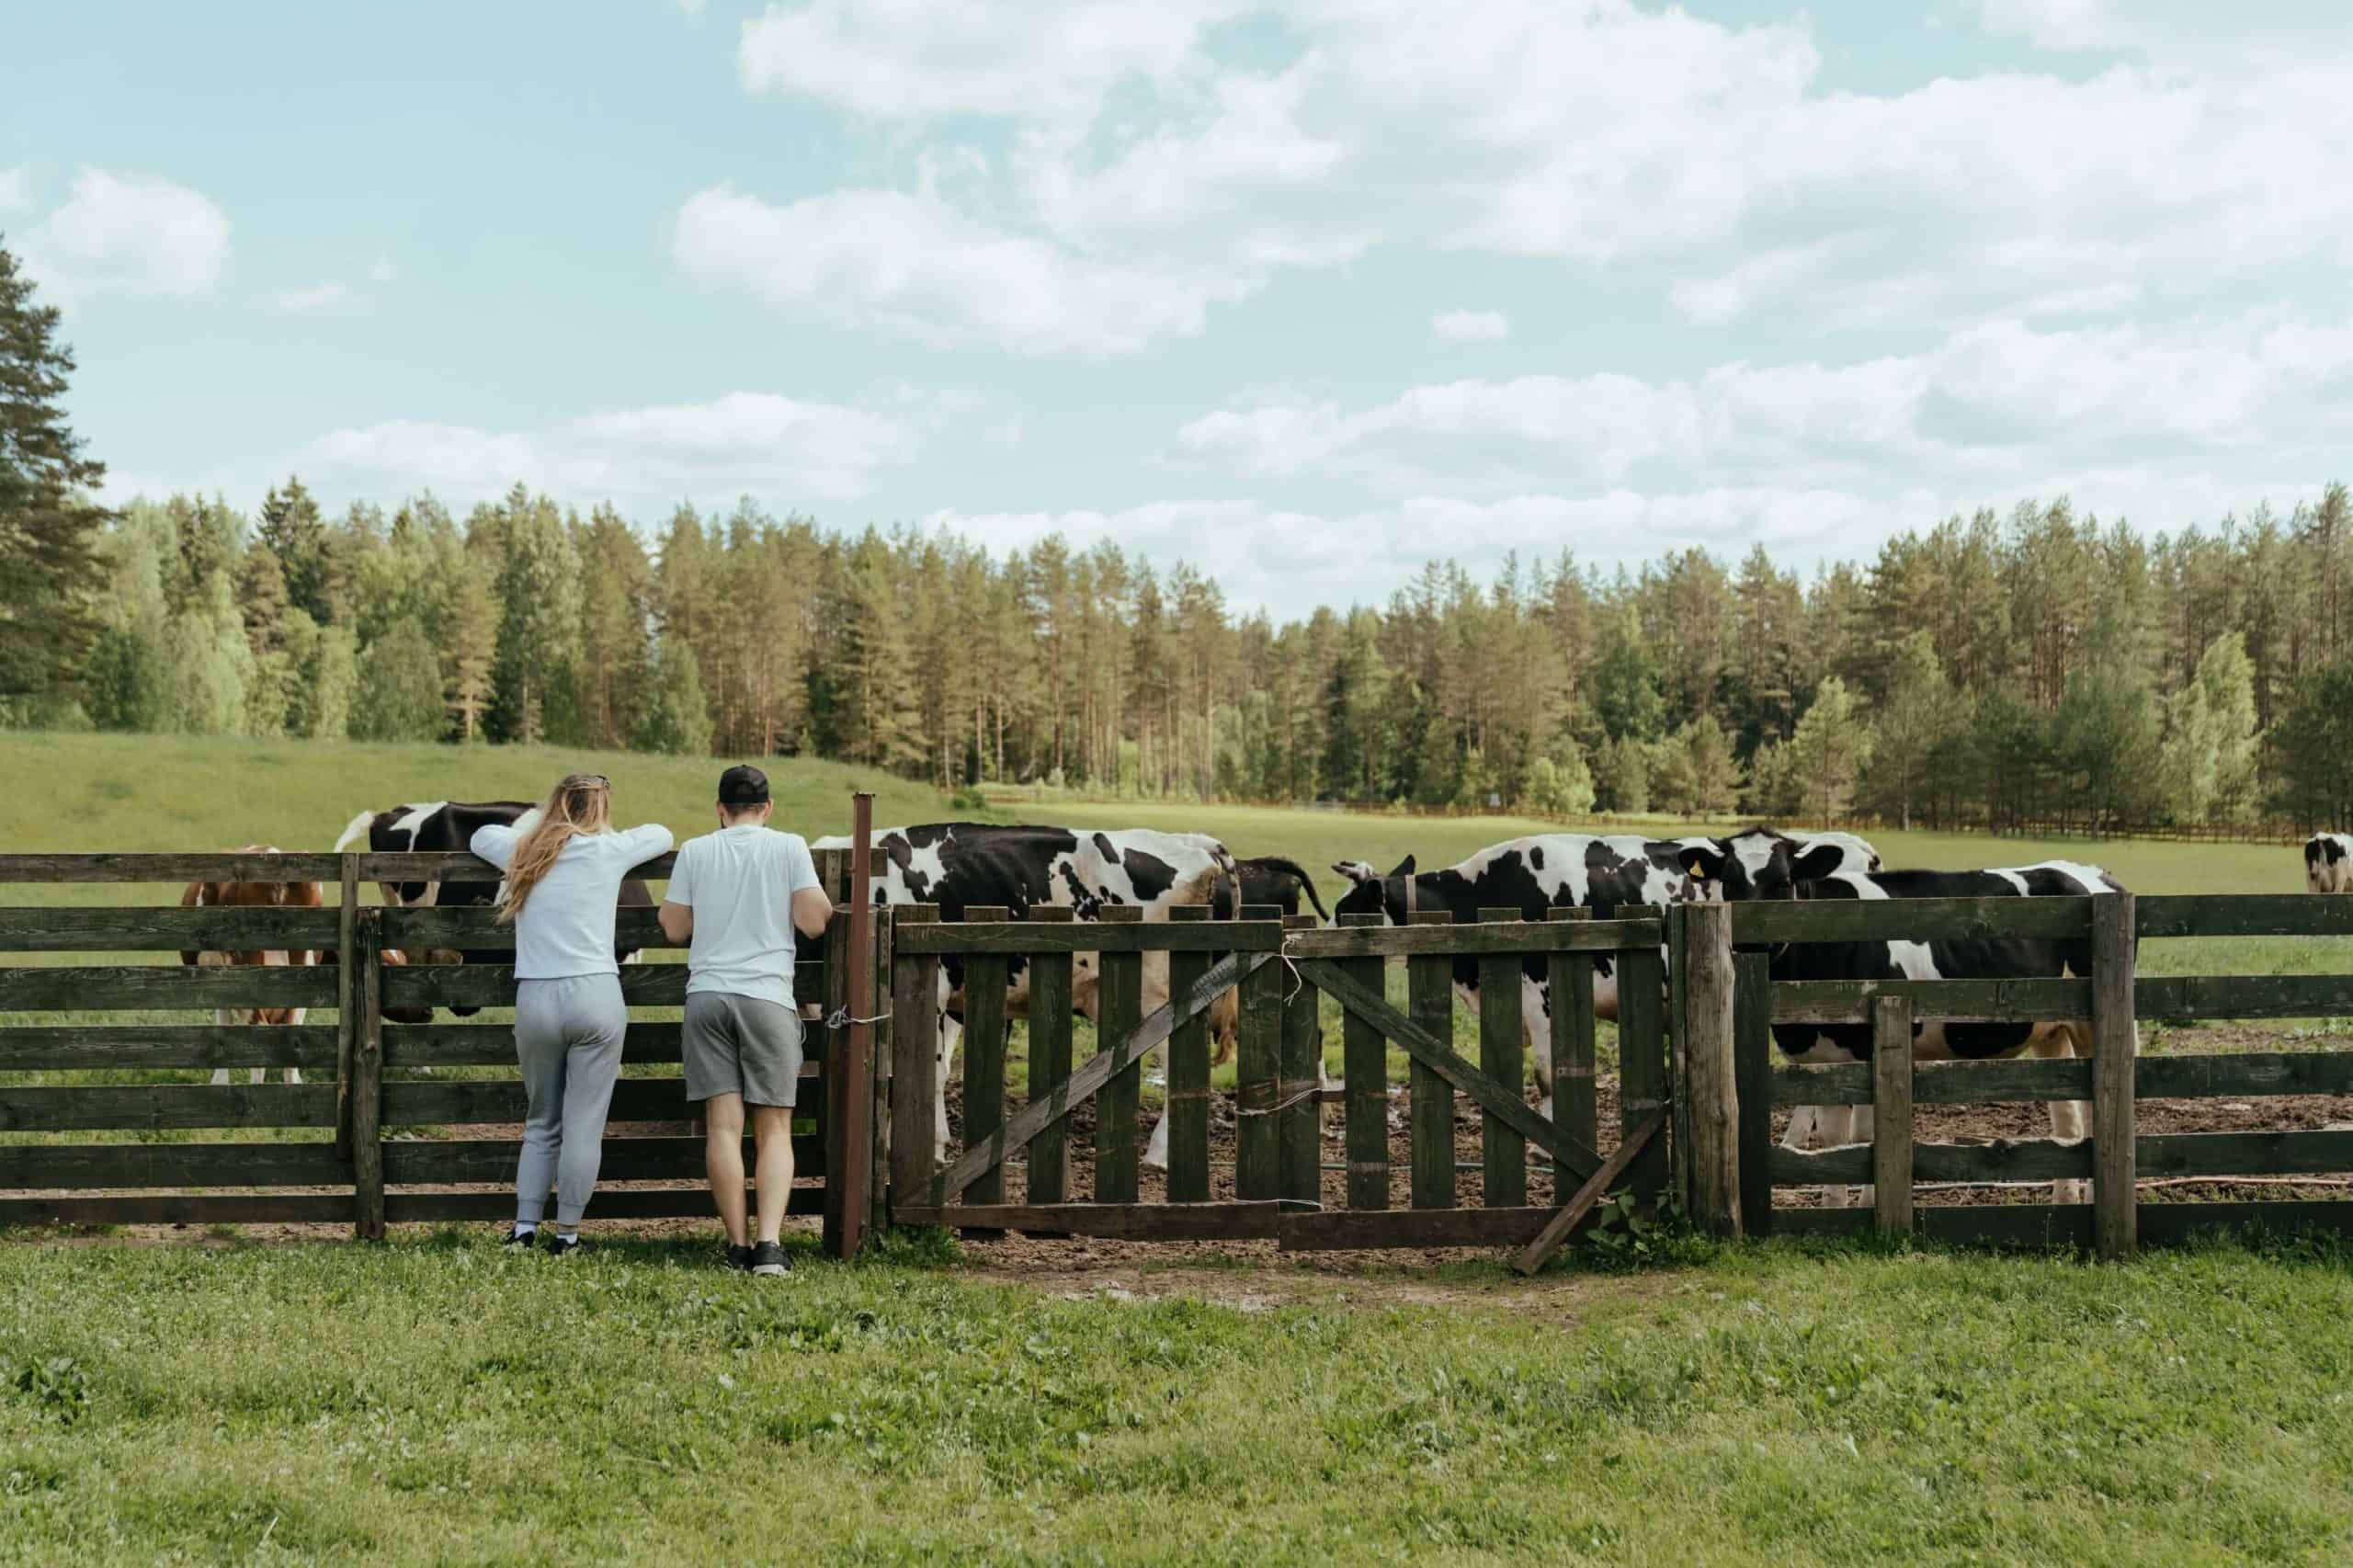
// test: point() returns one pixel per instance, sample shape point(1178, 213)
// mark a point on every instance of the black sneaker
point(562, 1246)
point(768, 1260)
point(518, 1240)
point(739, 1259)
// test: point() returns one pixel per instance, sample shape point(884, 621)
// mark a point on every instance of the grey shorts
point(741, 1045)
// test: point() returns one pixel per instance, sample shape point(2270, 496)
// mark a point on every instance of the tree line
point(2034, 667)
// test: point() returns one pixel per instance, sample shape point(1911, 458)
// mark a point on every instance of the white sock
point(527, 1227)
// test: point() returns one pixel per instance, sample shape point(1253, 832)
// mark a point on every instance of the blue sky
point(1305, 293)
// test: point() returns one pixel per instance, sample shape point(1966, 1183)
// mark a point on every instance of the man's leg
point(772, 1131)
point(723, 1160)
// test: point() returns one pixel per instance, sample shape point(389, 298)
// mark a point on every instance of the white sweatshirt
point(565, 927)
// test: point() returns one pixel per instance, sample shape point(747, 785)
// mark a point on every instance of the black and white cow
point(1599, 873)
point(1935, 1040)
point(959, 865)
point(448, 826)
point(2328, 862)
point(1271, 880)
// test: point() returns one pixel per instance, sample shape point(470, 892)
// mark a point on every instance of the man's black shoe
point(562, 1246)
point(768, 1260)
point(520, 1240)
point(739, 1257)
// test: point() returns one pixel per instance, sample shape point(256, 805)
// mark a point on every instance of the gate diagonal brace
point(1504, 1104)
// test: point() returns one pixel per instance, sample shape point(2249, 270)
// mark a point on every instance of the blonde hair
point(581, 803)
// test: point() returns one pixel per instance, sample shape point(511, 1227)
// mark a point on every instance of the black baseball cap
point(742, 784)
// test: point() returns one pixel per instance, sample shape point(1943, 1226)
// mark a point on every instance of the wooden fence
point(2117, 1158)
point(386, 1136)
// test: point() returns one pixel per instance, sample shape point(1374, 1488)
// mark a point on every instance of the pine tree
point(291, 526)
point(1915, 720)
point(538, 614)
point(1830, 748)
point(675, 721)
point(51, 573)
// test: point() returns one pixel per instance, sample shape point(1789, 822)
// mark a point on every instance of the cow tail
point(356, 831)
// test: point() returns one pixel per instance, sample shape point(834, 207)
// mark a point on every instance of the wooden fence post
point(1503, 1152)
point(1429, 983)
point(1752, 1082)
point(346, 1004)
point(1257, 1149)
point(1642, 1088)
point(1119, 995)
point(1710, 1088)
point(985, 1042)
point(1050, 1031)
point(1569, 978)
point(914, 1065)
point(368, 1090)
point(1298, 1124)
point(853, 1062)
point(879, 1050)
point(1892, 1112)
point(1366, 1113)
point(2115, 1041)
point(1679, 1102)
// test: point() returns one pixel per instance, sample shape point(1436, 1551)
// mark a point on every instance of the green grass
point(434, 1401)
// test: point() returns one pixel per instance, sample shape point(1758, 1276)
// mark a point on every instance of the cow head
point(1373, 893)
point(2324, 863)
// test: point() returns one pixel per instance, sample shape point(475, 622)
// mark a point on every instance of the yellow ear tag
point(1699, 871)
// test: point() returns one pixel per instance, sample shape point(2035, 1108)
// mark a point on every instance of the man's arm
point(677, 920)
point(810, 910)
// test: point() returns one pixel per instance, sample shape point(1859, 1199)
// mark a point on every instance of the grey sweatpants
point(568, 1037)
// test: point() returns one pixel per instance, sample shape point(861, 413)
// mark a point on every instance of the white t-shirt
point(740, 882)
point(565, 927)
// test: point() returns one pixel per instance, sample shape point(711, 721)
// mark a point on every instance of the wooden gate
point(1279, 1183)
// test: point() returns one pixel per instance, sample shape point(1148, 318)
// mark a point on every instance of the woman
point(563, 878)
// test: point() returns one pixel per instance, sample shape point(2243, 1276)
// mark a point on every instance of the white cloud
point(1705, 155)
point(691, 7)
point(128, 234)
point(382, 271)
point(1993, 404)
point(911, 266)
point(16, 189)
point(744, 442)
point(1469, 326)
point(317, 298)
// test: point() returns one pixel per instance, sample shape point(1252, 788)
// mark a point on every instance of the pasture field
point(436, 1400)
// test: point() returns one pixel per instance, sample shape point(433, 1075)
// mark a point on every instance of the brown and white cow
point(255, 895)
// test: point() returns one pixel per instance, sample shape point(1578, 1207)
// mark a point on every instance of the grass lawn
point(436, 1400)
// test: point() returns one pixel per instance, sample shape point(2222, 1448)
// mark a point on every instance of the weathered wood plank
point(212, 928)
point(493, 985)
point(1429, 984)
point(1097, 1069)
point(1299, 1119)
point(211, 867)
point(2024, 1159)
point(915, 1063)
point(1521, 938)
point(347, 995)
point(2244, 1153)
point(185, 1208)
point(2243, 915)
point(1050, 1058)
point(1503, 1152)
point(1120, 1221)
point(2243, 1074)
point(1492, 1098)
point(1366, 1093)
point(1891, 1146)
point(984, 1041)
point(476, 928)
point(125, 987)
point(1641, 1060)
point(1582, 1203)
point(80, 1108)
point(1119, 995)
point(2114, 1042)
point(492, 1045)
point(1908, 919)
point(1100, 936)
point(139, 1047)
point(1678, 1122)
point(1569, 981)
point(1753, 1065)
point(408, 1206)
point(2244, 995)
point(1967, 1001)
point(28, 1166)
point(479, 1100)
point(1335, 1229)
point(457, 866)
point(367, 1096)
point(1258, 1051)
point(448, 1162)
point(2235, 1075)
point(1710, 1068)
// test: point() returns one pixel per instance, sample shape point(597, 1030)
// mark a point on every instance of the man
point(735, 896)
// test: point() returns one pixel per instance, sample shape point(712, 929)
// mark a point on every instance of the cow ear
point(1404, 868)
point(1355, 870)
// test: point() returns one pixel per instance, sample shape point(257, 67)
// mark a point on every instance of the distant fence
point(380, 1140)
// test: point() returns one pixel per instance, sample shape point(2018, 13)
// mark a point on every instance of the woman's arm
point(495, 843)
point(645, 843)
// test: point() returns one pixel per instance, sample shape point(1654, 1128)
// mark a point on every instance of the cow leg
point(1536, 1039)
point(1843, 1127)
point(294, 1074)
point(227, 1018)
point(1804, 1126)
point(2069, 1120)
point(951, 1031)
